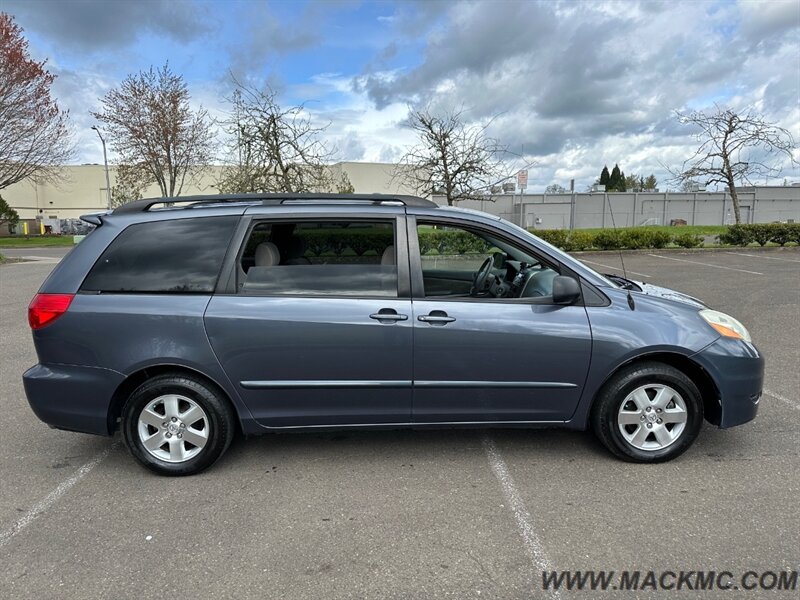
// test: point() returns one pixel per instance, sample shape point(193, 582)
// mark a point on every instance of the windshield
point(557, 252)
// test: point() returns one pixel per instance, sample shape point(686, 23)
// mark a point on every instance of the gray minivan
point(181, 321)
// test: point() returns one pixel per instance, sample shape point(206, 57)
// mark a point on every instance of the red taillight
point(46, 308)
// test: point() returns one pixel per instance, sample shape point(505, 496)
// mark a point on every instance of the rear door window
point(175, 256)
point(320, 258)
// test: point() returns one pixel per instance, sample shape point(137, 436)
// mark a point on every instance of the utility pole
point(105, 162)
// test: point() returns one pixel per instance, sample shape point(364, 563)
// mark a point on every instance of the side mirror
point(566, 290)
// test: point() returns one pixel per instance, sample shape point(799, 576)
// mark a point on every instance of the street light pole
point(105, 162)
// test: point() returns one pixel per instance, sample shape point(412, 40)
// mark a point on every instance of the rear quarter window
point(175, 256)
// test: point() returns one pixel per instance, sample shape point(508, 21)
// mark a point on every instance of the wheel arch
point(137, 378)
point(709, 392)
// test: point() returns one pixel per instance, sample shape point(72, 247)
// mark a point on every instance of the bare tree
point(452, 159)
point(150, 123)
point(273, 148)
point(734, 147)
point(35, 134)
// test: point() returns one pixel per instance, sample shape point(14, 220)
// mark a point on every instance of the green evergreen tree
point(604, 177)
point(614, 181)
point(7, 214)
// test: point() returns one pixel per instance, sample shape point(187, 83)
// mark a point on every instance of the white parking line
point(41, 507)
point(795, 404)
point(533, 545)
point(764, 257)
point(591, 262)
point(694, 262)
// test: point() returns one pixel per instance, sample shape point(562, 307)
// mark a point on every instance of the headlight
point(726, 325)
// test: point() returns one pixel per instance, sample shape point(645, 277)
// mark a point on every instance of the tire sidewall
point(219, 419)
point(654, 375)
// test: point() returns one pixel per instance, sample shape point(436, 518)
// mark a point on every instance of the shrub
point(608, 239)
point(688, 240)
point(635, 238)
point(760, 232)
point(557, 237)
point(736, 235)
point(794, 229)
point(660, 239)
point(783, 233)
point(579, 240)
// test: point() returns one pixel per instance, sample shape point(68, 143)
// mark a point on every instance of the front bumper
point(737, 368)
point(72, 397)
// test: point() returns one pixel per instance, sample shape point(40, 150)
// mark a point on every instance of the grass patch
point(45, 241)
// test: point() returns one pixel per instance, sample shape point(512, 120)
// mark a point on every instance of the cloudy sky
point(572, 85)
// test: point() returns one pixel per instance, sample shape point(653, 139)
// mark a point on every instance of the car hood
point(668, 294)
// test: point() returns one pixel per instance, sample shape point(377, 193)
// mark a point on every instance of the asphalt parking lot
point(428, 514)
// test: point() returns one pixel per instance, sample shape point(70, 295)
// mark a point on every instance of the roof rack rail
point(267, 199)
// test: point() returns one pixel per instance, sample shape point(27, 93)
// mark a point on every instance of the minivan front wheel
point(177, 424)
point(648, 412)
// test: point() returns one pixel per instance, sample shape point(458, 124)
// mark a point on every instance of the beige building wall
point(83, 189)
point(372, 178)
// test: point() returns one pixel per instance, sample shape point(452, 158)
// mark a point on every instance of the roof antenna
point(621, 260)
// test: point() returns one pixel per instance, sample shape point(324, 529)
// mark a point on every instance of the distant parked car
point(181, 322)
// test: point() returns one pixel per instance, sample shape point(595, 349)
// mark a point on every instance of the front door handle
point(388, 315)
point(436, 317)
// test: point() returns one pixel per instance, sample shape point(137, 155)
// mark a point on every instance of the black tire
point(606, 410)
point(218, 417)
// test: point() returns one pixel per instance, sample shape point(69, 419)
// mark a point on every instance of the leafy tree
point(452, 158)
point(35, 134)
point(633, 182)
point(7, 214)
point(650, 183)
point(150, 124)
point(555, 188)
point(274, 149)
point(733, 147)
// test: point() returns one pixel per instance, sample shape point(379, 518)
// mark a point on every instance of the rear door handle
point(388, 315)
point(436, 317)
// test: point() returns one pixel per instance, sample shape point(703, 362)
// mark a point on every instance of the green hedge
point(614, 239)
point(761, 234)
point(643, 237)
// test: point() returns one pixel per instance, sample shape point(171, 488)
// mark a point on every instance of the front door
point(479, 357)
point(317, 333)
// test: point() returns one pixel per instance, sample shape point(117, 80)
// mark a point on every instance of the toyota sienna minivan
point(181, 321)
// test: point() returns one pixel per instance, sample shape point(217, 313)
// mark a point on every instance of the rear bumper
point(72, 397)
point(737, 369)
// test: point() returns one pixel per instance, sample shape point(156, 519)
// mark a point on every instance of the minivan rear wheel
point(648, 412)
point(177, 424)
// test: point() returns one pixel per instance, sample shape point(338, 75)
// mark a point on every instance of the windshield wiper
point(625, 284)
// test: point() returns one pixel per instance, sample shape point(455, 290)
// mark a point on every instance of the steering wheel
point(482, 278)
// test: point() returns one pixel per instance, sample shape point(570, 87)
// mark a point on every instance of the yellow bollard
point(41, 227)
point(25, 228)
